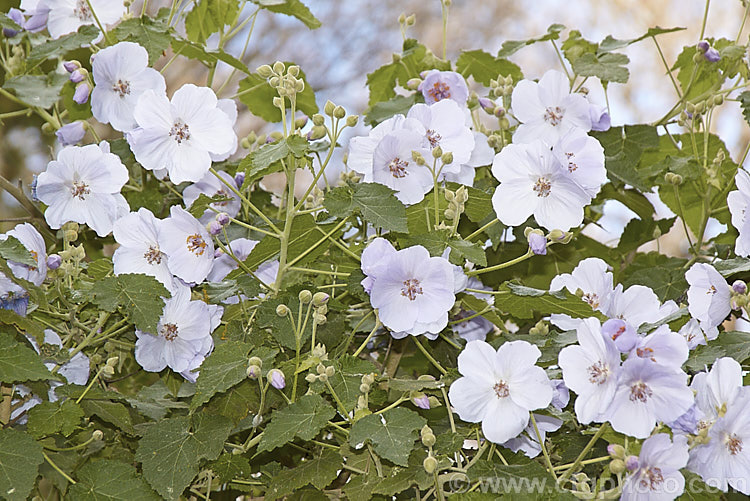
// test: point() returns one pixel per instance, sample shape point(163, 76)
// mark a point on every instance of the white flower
point(694, 335)
point(121, 75)
point(657, 476)
point(532, 181)
point(445, 128)
point(547, 110)
point(738, 202)
point(443, 85)
point(709, 296)
point(716, 390)
point(34, 243)
point(362, 148)
point(583, 158)
point(483, 154)
point(180, 136)
point(181, 335)
point(138, 234)
point(229, 107)
point(394, 167)
point(187, 244)
point(83, 185)
point(592, 277)
point(499, 388)
point(591, 370)
point(636, 305)
point(212, 186)
point(66, 16)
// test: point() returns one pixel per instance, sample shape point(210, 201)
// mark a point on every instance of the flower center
point(398, 167)
point(439, 91)
point(553, 115)
point(652, 478)
point(180, 131)
point(542, 187)
point(196, 244)
point(122, 88)
point(645, 353)
point(434, 138)
point(221, 192)
point(153, 255)
point(80, 189)
point(598, 373)
point(82, 11)
point(411, 288)
point(501, 389)
point(592, 299)
point(640, 392)
point(734, 444)
point(572, 166)
point(712, 290)
point(36, 258)
point(169, 331)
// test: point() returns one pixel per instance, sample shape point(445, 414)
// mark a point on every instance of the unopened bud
point(300, 122)
point(423, 402)
point(437, 152)
point(253, 371)
point(411, 19)
point(418, 158)
point(352, 120)
point(339, 112)
point(264, 71)
point(97, 435)
point(53, 261)
point(318, 119)
point(428, 439)
point(430, 464)
point(616, 451)
point(282, 310)
point(368, 379)
point(447, 158)
point(413, 83)
point(293, 70)
point(276, 378)
point(70, 235)
point(278, 68)
point(631, 463)
point(311, 378)
point(257, 420)
point(299, 85)
point(402, 18)
point(330, 371)
point(617, 466)
point(317, 132)
point(319, 299)
point(328, 108)
point(305, 296)
point(739, 287)
point(364, 388)
point(278, 101)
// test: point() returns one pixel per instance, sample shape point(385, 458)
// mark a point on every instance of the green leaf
point(49, 418)
point(232, 287)
point(733, 344)
point(392, 433)
point(37, 90)
point(665, 275)
point(257, 94)
point(107, 479)
point(114, 413)
point(399, 105)
point(729, 267)
point(22, 324)
point(18, 362)
point(507, 479)
point(152, 34)
point(294, 8)
point(201, 204)
point(171, 450)
point(608, 67)
point(576, 46)
point(376, 202)
point(319, 472)
point(6, 22)
point(524, 302)
point(485, 67)
point(304, 419)
point(64, 44)
point(510, 47)
point(208, 57)
point(639, 231)
point(623, 148)
point(231, 466)
point(610, 43)
point(11, 249)
point(75, 111)
point(208, 17)
point(226, 367)
point(140, 295)
point(20, 457)
point(744, 99)
point(348, 377)
point(266, 159)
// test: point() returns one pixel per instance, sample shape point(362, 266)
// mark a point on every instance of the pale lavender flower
point(438, 85)
point(83, 185)
point(393, 166)
point(71, 133)
point(422, 401)
point(66, 16)
point(77, 76)
point(481, 155)
point(277, 379)
point(636, 305)
point(694, 335)
point(738, 202)
point(81, 94)
point(591, 369)
point(538, 243)
point(532, 182)
point(528, 442)
point(583, 158)
point(663, 347)
point(187, 244)
point(647, 393)
point(138, 234)
point(37, 12)
point(71, 66)
point(498, 383)
point(592, 278)
point(622, 333)
point(716, 390)
point(16, 16)
point(547, 110)
point(709, 296)
point(212, 186)
point(121, 74)
point(657, 473)
point(12, 296)
point(560, 394)
point(30, 238)
point(600, 119)
point(180, 135)
point(53, 262)
point(445, 127)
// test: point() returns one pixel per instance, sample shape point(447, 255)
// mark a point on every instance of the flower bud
point(423, 402)
point(319, 319)
point(430, 464)
point(537, 242)
point(339, 112)
point(368, 379)
point(81, 94)
point(402, 18)
point(616, 451)
point(257, 420)
point(352, 120)
point(305, 296)
point(311, 378)
point(631, 463)
point(317, 132)
point(293, 70)
point(17, 17)
point(223, 218)
point(282, 310)
point(319, 299)
point(447, 158)
point(278, 101)
point(299, 85)
point(428, 439)
point(276, 378)
point(264, 71)
point(718, 100)
point(617, 466)
point(712, 55)
point(53, 261)
point(300, 122)
point(239, 179)
point(702, 46)
point(739, 287)
point(411, 19)
point(330, 371)
point(253, 371)
point(278, 68)
point(328, 108)
point(78, 75)
point(323, 377)
point(364, 388)
point(437, 152)
point(95, 359)
point(214, 228)
point(413, 83)
point(97, 435)
point(418, 158)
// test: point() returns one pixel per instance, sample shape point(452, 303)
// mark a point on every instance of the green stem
point(539, 437)
point(57, 468)
point(705, 18)
point(369, 336)
point(99, 24)
point(669, 71)
point(567, 473)
point(342, 409)
point(482, 229)
point(246, 201)
point(501, 265)
point(429, 357)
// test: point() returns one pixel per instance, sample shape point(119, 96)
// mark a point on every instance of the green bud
point(97, 435)
point(339, 112)
point(697, 57)
point(253, 371)
point(278, 68)
point(428, 439)
point(368, 379)
point(462, 194)
point(396, 57)
point(364, 388)
point(330, 371)
point(437, 152)
point(504, 123)
point(328, 108)
point(411, 19)
point(274, 81)
point(319, 319)
point(319, 299)
point(617, 466)
point(299, 85)
point(352, 120)
point(430, 464)
point(413, 83)
point(261, 139)
point(95, 359)
point(278, 101)
point(311, 378)
point(447, 158)
point(305, 296)
point(616, 451)
point(255, 361)
point(425, 430)
point(449, 195)
point(264, 70)
point(282, 310)
point(402, 18)
point(556, 235)
point(450, 213)
point(244, 143)
point(718, 99)
point(318, 119)
point(293, 70)
point(317, 132)
point(417, 157)
point(690, 108)
point(323, 377)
